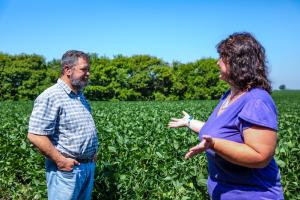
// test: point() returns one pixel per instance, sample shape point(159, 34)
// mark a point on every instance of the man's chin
point(84, 84)
point(80, 86)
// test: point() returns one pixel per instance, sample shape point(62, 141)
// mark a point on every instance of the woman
point(239, 137)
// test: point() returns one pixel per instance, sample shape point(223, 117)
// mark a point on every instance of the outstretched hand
point(206, 143)
point(177, 123)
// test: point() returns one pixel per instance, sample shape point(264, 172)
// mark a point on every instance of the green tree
point(282, 87)
point(139, 77)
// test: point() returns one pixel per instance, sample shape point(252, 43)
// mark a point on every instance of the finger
point(198, 148)
point(195, 148)
point(185, 113)
point(173, 124)
point(207, 137)
point(189, 154)
point(66, 169)
point(175, 119)
point(76, 162)
point(209, 141)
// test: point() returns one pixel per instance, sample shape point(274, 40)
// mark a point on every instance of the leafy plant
point(139, 157)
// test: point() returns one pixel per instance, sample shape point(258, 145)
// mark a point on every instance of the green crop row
point(138, 157)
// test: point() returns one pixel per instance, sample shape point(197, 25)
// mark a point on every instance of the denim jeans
point(76, 184)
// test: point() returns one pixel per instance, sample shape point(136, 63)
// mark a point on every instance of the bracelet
point(189, 120)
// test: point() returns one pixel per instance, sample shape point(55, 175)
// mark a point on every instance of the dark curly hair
point(245, 59)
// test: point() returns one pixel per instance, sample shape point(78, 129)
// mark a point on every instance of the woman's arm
point(186, 121)
point(256, 152)
point(195, 125)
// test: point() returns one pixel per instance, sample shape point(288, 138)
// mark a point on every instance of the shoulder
point(51, 94)
point(259, 109)
point(260, 95)
point(259, 91)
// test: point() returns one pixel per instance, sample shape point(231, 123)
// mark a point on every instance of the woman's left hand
point(206, 143)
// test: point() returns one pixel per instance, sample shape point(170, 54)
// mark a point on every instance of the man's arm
point(44, 145)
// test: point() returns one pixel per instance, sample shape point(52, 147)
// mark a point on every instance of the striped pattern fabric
point(66, 118)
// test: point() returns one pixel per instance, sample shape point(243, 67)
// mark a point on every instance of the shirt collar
point(66, 88)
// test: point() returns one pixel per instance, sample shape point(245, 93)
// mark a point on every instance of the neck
point(234, 91)
point(68, 82)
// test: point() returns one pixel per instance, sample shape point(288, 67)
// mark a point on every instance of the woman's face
point(223, 70)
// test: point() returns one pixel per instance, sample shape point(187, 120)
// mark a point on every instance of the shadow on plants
point(105, 186)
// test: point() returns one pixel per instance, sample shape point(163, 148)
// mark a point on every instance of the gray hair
point(70, 59)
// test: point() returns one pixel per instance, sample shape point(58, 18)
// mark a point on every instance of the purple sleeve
point(259, 112)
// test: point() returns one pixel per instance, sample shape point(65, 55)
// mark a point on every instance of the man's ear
point(67, 70)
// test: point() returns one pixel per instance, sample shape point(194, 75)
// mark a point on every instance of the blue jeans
point(76, 184)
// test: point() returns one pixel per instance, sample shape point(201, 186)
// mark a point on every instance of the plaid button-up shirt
point(66, 118)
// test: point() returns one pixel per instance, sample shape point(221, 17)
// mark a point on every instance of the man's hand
point(95, 158)
point(66, 164)
point(44, 145)
point(177, 123)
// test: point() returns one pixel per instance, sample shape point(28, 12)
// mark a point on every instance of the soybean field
point(139, 157)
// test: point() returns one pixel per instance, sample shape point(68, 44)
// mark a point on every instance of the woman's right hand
point(206, 143)
point(177, 123)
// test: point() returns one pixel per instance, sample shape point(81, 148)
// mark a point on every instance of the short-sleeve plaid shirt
point(66, 118)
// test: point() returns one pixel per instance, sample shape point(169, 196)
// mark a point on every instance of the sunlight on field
point(139, 157)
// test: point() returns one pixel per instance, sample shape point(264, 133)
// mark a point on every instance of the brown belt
point(81, 160)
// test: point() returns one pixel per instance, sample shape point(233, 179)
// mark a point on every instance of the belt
point(81, 160)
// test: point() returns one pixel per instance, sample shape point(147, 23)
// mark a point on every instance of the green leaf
point(158, 154)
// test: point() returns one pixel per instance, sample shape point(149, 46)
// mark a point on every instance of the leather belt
point(81, 160)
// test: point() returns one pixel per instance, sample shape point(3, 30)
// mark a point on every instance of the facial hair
point(77, 82)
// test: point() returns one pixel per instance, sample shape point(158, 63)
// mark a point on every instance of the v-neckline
point(229, 106)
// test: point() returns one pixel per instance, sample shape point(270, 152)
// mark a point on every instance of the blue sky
point(174, 30)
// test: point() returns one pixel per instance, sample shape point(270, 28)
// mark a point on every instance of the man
point(62, 128)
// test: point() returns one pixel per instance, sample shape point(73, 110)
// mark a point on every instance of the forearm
point(195, 125)
point(45, 146)
point(240, 154)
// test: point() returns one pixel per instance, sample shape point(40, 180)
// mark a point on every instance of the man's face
point(80, 73)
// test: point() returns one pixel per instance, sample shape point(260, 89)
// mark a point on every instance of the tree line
point(138, 77)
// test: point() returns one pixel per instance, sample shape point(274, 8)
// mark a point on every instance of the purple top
point(230, 181)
